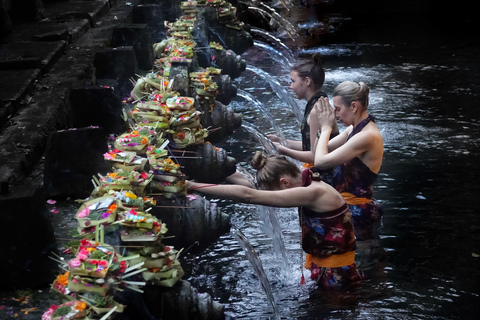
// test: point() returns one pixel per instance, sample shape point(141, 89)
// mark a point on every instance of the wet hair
point(271, 168)
point(351, 91)
point(312, 68)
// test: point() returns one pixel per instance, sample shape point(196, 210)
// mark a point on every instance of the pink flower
point(83, 254)
point(84, 213)
point(74, 263)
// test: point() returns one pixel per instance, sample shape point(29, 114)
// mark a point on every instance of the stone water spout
point(223, 26)
point(212, 165)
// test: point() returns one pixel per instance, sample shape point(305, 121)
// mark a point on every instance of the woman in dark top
point(307, 77)
point(328, 236)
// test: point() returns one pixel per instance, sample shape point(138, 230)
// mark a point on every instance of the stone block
point(31, 55)
point(115, 63)
point(154, 15)
point(68, 30)
point(139, 37)
point(16, 84)
point(72, 157)
point(95, 105)
point(90, 10)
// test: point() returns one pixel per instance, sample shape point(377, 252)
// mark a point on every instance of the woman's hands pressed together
point(325, 113)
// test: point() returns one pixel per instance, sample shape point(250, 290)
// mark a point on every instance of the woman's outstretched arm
point(293, 197)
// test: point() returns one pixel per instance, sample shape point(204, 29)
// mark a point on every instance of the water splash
point(247, 96)
point(253, 257)
point(267, 144)
point(279, 90)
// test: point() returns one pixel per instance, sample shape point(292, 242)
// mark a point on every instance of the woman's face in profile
point(298, 85)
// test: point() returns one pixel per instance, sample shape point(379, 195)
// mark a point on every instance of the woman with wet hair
point(307, 78)
point(356, 153)
point(328, 236)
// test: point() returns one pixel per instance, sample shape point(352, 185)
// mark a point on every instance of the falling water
point(271, 225)
point(280, 21)
point(279, 90)
point(272, 228)
point(286, 63)
point(253, 257)
point(266, 143)
point(288, 52)
point(247, 96)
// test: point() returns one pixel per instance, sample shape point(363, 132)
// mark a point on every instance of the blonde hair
point(271, 168)
point(351, 91)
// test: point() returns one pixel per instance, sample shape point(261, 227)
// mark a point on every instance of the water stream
point(265, 112)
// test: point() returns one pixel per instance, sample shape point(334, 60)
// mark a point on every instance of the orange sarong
point(354, 200)
point(334, 261)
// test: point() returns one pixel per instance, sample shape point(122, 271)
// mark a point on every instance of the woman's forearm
point(295, 145)
point(304, 156)
point(321, 147)
point(233, 192)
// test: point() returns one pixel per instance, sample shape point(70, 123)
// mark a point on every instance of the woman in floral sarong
point(328, 236)
point(356, 154)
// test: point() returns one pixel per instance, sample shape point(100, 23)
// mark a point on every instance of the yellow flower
point(131, 195)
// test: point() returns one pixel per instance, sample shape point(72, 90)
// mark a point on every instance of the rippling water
point(424, 93)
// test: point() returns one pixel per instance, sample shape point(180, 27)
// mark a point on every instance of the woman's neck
point(312, 93)
point(360, 118)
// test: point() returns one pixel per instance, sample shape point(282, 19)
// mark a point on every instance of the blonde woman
point(356, 153)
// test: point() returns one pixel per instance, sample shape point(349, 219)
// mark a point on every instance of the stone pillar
point(96, 105)
point(139, 37)
point(72, 157)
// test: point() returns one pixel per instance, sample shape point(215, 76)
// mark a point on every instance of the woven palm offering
point(67, 311)
point(92, 259)
point(156, 119)
point(101, 304)
point(180, 25)
point(180, 103)
point(141, 226)
point(97, 211)
point(119, 180)
point(132, 141)
point(189, 136)
point(96, 268)
point(167, 274)
point(130, 200)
